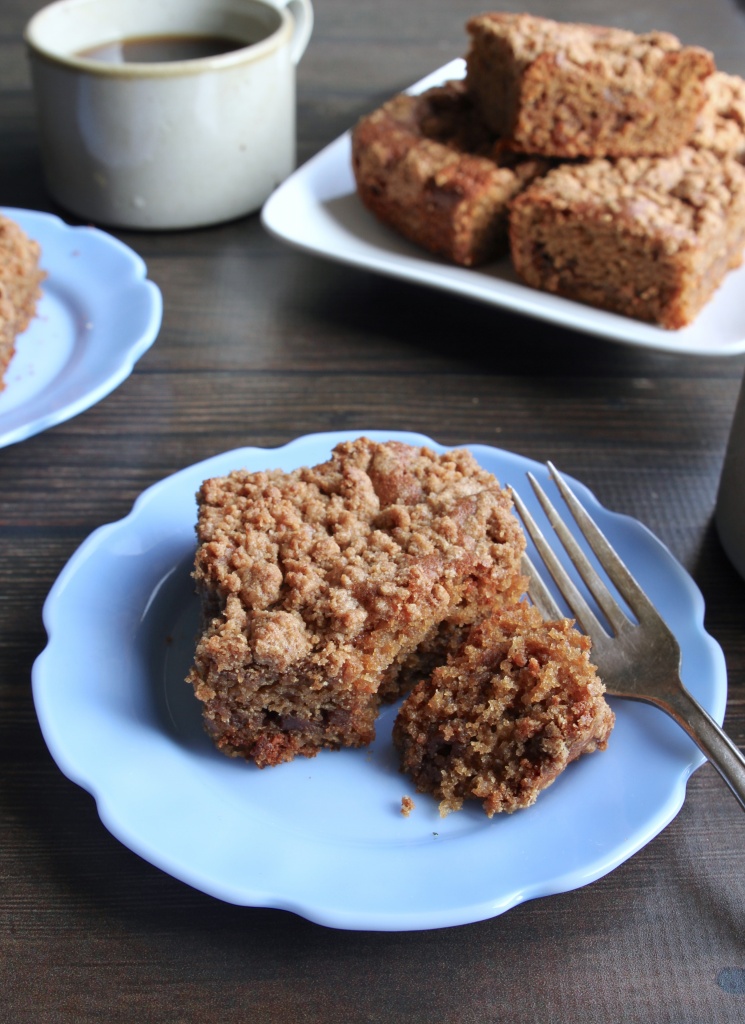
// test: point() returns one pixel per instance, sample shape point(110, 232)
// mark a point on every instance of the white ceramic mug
point(176, 144)
point(730, 511)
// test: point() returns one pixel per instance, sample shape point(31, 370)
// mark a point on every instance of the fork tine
point(627, 586)
point(598, 589)
point(540, 595)
point(579, 606)
point(643, 661)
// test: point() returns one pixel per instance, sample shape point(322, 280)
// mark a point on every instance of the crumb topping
point(377, 533)
point(682, 196)
point(721, 123)
point(616, 53)
point(437, 138)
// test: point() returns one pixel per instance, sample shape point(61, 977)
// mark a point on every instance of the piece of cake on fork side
point(505, 716)
point(319, 584)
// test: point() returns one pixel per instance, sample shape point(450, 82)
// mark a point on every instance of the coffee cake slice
point(20, 279)
point(650, 238)
point(318, 584)
point(427, 167)
point(505, 715)
point(574, 90)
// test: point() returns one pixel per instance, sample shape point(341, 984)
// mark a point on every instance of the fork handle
point(726, 757)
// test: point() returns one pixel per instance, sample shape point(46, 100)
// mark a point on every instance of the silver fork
point(639, 660)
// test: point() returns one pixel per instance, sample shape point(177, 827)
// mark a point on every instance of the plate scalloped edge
point(463, 841)
point(94, 353)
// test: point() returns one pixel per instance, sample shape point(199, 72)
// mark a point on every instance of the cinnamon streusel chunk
point(318, 584)
point(505, 715)
point(570, 90)
point(721, 123)
point(20, 278)
point(649, 238)
point(428, 168)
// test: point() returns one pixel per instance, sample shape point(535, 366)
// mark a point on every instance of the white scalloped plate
point(325, 837)
point(97, 316)
point(317, 210)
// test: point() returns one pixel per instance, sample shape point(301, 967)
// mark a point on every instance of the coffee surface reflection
point(161, 49)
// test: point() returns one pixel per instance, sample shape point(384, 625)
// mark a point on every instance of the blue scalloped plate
point(97, 316)
point(325, 838)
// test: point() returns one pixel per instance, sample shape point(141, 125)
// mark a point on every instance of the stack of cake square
point(611, 165)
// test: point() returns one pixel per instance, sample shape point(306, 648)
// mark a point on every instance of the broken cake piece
point(505, 715)
point(318, 584)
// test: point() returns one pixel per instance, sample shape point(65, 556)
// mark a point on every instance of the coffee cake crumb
point(407, 806)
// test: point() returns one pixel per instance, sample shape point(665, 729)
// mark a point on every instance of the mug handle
point(302, 12)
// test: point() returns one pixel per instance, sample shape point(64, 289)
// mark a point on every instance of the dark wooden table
point(259, 344)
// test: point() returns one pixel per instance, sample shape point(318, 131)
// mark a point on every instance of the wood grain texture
point(260, 344)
